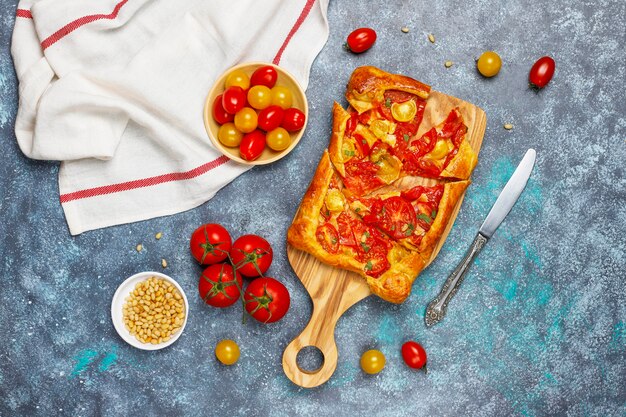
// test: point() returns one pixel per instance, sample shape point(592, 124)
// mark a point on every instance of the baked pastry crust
point(367, 87)
point(340, 118)
point(327, 200)
point(463, 163)
point(406, 261)
point(452, 192)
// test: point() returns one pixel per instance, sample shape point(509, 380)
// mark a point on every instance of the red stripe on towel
point(72, 26)
point(145, 182)
point(24, 13)
point(305, 12)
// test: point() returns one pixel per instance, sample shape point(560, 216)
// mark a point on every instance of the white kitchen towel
point(115, 90)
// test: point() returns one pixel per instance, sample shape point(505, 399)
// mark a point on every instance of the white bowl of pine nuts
point(149, 310)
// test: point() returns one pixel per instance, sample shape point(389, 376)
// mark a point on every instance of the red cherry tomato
point(361, 40)
point(217, 287)
point(252, 145)
point(541, 72)
point(267, 300)
point(252, 255)
point(414, 355)
point(210, 244)
point(234, 99)
point(220, 115)
point(293, 120)
point(270, 118)
point(266, 76)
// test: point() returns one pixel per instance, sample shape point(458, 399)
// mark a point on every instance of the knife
point(437, 308)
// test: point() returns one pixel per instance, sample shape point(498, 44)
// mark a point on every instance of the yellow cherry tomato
point(404, 112)
point(227, 352)
point(237, 78)
point(372, 361)
point(440, 150)
point(278, 139)
point(260, 97)
point(489, 64)
point(229, 135)
point(246, 120)
point(281, 96)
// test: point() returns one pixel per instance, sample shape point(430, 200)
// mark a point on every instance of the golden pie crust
point(365, 91)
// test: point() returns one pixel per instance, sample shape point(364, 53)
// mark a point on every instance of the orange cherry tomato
point(246, 120)
point(238, 78)
point(281, 96)
point(259, 97)
point(278, 139)
point(229, 135)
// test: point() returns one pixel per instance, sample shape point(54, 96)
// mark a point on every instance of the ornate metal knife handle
point(437, 308)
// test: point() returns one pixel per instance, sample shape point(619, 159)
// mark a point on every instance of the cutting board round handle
point(318, 333)
point(333, 291)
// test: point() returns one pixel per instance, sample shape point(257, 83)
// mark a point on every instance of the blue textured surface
point(537, 328)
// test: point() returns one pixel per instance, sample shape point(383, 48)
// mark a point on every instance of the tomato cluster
point(221, 284)
point(254, 112)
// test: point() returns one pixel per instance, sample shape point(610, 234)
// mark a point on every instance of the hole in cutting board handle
point(310, 359)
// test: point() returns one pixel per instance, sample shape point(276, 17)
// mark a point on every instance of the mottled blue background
point(537, 328)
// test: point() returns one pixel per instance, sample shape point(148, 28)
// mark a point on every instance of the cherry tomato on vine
point(233, 99)
point(541, 72)
point(217, 285)
point(237, 78)
point(360, 40)
point(252, 255)
point(414, 355)
point(278, 139)
point(266, 76)
point(373, 361)
point(489, 64)
point(229, 135)
point(259, 97)
point(227, 352)
point(210, 244)
point(220, 115)
point(266, 300)
point(271, 117)
point(293, 120)
point(246, 120)
point(252, 145)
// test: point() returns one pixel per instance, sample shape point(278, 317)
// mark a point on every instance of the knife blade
point(437, 308)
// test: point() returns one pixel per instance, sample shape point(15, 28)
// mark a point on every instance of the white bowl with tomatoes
point(255, 113)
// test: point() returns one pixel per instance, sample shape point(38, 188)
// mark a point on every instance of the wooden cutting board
point(334, 290)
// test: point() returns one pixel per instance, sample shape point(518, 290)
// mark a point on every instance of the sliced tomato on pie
point(406, 217)
point(394, 215)
point(431, 154)
point(346, 235)
point(327, 236)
